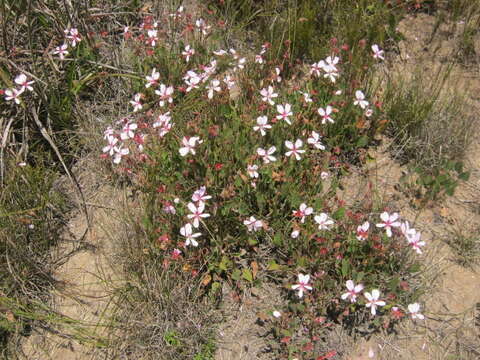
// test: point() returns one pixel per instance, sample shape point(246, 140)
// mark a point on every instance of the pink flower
point(353, 291)
point(302, 212)
point(362, 231)
point(373, 301)
point(325, 114)
point(169, 208)
point(187, 231)
point(316, 67)
point(197, 213)
point(284, 112)
point(176, 253)
point(389, 221)
point(302, 285)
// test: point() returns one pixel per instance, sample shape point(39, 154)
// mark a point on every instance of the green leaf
point(464, 176)
point(278, 240)
point(236, 274)
point(247, 274)
point(339, 214)
point(393, 284)
point(414, 268)
point(272, 265)
point(345, 267)
point(362, 142)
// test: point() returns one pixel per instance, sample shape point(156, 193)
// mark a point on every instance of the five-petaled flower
point(24, 83)
point(252, 171)
point(389, 221)
point(373, 301)
point(414, 310)
point(262, 125)
point(189, 144)
point(200, 195)
point(303, 211)
point(284, 112)
point(325, 114)
point(152, 80)
point(266, 155)
point(137, 105)
point(360, 99)
point(415, 242)
point(302, 285)
point(187, 231)
point(353, 291)
point(377, 52)
point(165, 93)
point(294, 148)
point(61, 51)
point(13, 94)
point(362, 231)
point(253, 224)
point(268, 94)
point(315, 141)
point(197, 213)
point(324, 221)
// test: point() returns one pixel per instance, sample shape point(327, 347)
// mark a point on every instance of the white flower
point(324, 221)
point(353, 291)
point(165, 93)
point(128, 131)
point(325, 114)
point(252, 171)
point(377, 52)
point(24, 83)
point(61, 51)
point(197, 213)
point(276, 314)
point(187, 231)
point(373, 301)
point(152, 79)
point(314, 140)
point(362, 231)
point(119, 153)
point(213, 86)
point(389, 221)
point(360, 99)
point(302, 212)
point(189, 145)
point(284, 112)
point(266, 155)
point(253, 224)
point(294, 148)
point(414, 310)
point(302, 285)
point(13, 94)
point(268, 94)
point(262, 125)
point(200, 195)
point(137, 105)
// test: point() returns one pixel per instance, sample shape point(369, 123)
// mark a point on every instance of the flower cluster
point(72, 38)
point(23, 83)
